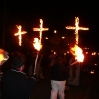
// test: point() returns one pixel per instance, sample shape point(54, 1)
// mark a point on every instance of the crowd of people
point(19, 80)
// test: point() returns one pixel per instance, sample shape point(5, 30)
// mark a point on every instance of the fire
point(37, 44)
point(76, 28)
point(92, 72)
point(20, 33)
point(3, 56)
point(40, 29)
point(77, 52)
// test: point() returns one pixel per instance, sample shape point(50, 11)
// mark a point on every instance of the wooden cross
point(19, 33)
point(76, 28)
point(40, 29)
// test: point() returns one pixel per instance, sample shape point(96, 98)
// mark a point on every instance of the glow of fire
point(54, 53)
point(94, 53)
point(86, 52)
point(55, 31)
point(19, 33)
point(37, 44)
point(3, 56)
point(63, 37)
point(46, 38)
point(40, 29)
point(51, 50)
point(77, 52)
point(64, 53)
point(76, 28)
point(95, 64)
point(92, 72)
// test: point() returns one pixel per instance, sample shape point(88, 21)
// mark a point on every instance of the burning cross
point(40, 29)
point(76, 28)
point(19, 33)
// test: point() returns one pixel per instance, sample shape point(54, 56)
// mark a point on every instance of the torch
point(78, 53)
point(37, 42)
point(37, 46)
point(3, 56)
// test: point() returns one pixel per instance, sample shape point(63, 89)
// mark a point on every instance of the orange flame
point(37, 44)
point(76, 28)
point(77, 52)
point(20, 34)
point(40, 29)
point(92, 72)
point(3, 56)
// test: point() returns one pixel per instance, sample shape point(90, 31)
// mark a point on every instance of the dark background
point(56, 16)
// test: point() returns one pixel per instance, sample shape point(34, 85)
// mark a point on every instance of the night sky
point(56, 16)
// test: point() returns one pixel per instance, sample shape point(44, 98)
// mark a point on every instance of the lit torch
point(37, 46)
point(3, 56)
point(77, 52)
point(37, 42)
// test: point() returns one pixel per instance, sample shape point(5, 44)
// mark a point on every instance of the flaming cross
point(76, 28)
point(19, 33)
point(40, 29)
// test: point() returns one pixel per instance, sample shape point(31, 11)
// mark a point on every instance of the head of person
point(18, 62)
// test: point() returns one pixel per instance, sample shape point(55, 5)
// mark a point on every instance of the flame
point(77, 52)
point(37, 44)
point(20, 33)
point(76, 28)
point(3, 56)
point(92, 72)
point(40, 29)
point(55, 31)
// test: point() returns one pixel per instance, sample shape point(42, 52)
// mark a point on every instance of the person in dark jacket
point(16, 85)
point(74, 71)
point(58, 79)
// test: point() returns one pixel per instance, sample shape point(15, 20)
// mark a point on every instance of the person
point(3, 58)
point(51, 59)
point(74, 71)
point(58, 78)
point(65, 62)
point(16, 85)
point(39, 70)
